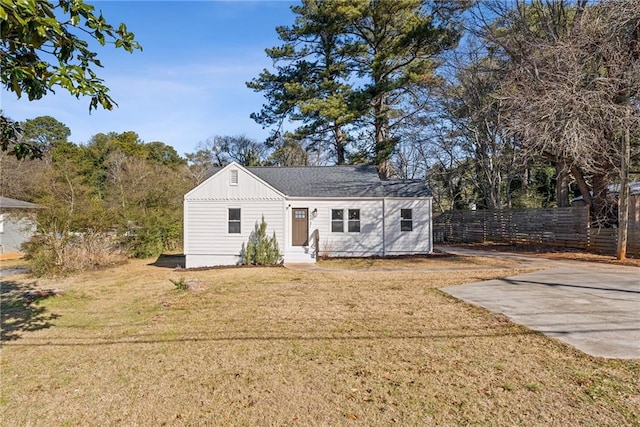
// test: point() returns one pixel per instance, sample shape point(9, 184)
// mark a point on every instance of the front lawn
point(375, 345)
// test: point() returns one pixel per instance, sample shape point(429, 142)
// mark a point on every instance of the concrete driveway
point(592, 306)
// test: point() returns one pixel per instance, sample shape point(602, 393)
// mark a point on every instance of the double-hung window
point(354, 221)
point(337, 220)
point(234, 221)
point(406, 220)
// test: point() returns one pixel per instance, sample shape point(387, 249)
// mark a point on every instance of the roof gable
point(220, 185)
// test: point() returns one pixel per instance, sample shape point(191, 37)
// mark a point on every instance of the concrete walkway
point(592, 306)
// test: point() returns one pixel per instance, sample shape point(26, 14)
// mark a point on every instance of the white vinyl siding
point(207, 229)
point(367, 242)
point(207, 240)
point(404, 242)
point(16, 229)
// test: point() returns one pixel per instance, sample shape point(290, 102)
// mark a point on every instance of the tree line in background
point(114, 185)
point(496, 104)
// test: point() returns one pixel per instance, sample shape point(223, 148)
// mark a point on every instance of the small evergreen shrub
point(180, 284)
point(262, 249)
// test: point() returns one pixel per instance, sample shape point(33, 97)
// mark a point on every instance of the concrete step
point(296, 257)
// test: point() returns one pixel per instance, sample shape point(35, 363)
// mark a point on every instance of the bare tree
point(573, 72)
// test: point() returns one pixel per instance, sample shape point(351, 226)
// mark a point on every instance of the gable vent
point(234, 177)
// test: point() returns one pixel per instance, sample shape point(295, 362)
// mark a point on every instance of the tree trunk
point(524, 181)
point(582, 184)
point(383, 146)
point(599, 206)
point(338, 136)
point(623, 207)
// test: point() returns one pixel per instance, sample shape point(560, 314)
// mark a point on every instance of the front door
point(300, 227)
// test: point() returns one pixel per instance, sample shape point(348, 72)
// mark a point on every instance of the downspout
point(384, 227)
point(185, 229)
point(431, 225)
point(286, 225)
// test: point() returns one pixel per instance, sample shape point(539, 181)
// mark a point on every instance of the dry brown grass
point(274, 346)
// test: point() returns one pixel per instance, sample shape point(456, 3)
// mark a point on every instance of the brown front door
point(300, 226)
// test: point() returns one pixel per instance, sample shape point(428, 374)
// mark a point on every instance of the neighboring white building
point(335, 211)
point(17, 225)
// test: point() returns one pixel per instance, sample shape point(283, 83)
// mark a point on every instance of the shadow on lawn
point(170, 261)
point(17, 314)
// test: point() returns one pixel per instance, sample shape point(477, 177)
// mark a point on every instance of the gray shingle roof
point(336, 181)
point(406, 188)
point(9, 203)
point(634, 188)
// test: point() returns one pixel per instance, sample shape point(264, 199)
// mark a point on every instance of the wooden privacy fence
point(566, 227)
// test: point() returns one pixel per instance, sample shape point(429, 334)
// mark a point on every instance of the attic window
point(234, 177)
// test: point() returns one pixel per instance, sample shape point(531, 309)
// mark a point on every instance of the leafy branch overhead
point(43, 45)
point(40, 50)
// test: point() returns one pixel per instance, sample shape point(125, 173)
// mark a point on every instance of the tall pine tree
point(350, 64)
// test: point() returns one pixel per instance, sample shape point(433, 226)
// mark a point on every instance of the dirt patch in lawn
point(282, 347)
point(551, 252)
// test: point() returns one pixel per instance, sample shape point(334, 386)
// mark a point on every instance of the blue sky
point(187, 84)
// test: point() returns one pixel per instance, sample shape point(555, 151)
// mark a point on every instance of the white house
point(17, 225)
point(330, 211)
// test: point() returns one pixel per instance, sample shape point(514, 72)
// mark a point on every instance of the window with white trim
point(354, 221)
point(337, 221)
point(234, 177)
point(406, 219)
point(234, 221)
